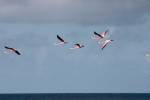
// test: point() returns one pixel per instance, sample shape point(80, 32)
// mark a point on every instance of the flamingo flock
point(102, 39)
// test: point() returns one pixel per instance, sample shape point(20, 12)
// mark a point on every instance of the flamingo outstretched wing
point(59, 38)
point(104, 33)
point(99, 35)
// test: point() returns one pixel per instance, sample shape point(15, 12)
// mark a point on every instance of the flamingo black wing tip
point(6, 47)
point(18, 53)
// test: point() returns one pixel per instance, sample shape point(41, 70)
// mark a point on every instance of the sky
point(32, 26)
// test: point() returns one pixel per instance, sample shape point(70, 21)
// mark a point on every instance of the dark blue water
point(75, 96)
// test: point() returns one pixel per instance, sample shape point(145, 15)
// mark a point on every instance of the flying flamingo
point(62, 41)
point(77, 46)
point(13, 50)
point(99, 36)
point(106, 42)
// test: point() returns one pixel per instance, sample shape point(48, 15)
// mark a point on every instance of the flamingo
point(62, 41)
point(13, 50)
point(100, 36)
point(77, 46)
point(106, 42)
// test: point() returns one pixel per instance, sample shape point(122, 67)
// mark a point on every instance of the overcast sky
point(32, 26)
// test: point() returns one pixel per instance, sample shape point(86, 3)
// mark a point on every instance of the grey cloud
point(69, 11)
point(14, 2)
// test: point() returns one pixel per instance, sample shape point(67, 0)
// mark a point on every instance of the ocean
point(76, 96)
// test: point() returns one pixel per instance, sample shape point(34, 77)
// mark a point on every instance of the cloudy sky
point(32, 26)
